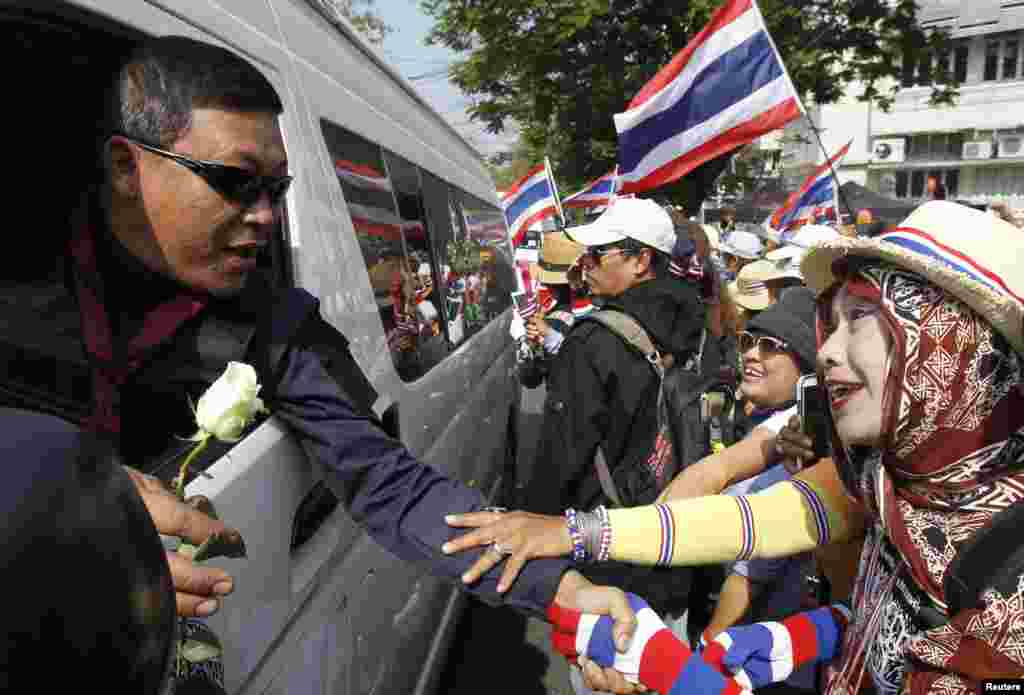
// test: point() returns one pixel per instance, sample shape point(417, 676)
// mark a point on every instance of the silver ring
point(496, 547)
point(494, 510)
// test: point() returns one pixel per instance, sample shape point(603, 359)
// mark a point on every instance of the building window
point(952, 182)
point(992, 61)
point(909, 68)
point(916, 184)
point(955, 147)
point(1010, 50)
point(960, 63)
point(902, 181)
point(924, 70)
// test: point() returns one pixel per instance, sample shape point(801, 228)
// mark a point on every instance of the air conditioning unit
point(977, 150)
point(1011, 145)
point(890, 150)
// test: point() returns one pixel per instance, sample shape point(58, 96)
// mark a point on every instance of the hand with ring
point(517, 536)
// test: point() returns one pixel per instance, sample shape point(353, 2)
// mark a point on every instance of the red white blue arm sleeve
point(764, 653)
point(656, 658)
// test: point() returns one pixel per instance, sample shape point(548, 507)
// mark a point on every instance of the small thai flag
point(595, 194)
point(361, 176)
point(529, 201)
point(818, 190)
point(727, 88)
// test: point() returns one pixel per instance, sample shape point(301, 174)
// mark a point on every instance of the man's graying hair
point(165, 78)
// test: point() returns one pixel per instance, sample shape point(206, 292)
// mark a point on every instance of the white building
point(976, 148)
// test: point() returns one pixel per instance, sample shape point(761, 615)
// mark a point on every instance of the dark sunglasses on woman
point(766, 344)
point(234, 183)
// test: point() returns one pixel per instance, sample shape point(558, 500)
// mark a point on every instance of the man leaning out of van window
point(166, 252)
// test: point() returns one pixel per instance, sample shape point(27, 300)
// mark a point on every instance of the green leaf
point(226, 544)
point(201, 645)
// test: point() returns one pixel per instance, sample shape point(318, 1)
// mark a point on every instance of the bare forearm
point(734, 602)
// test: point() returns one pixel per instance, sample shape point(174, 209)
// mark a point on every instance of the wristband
point(572, 521)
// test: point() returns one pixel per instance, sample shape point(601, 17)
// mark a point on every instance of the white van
point(382, 185)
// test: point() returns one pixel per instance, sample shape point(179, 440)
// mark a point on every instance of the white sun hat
point(742, 244)
point(972, 255)
point(630, 218)
point(796, 245)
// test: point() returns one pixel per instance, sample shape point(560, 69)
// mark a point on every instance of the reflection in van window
point(384, 196)
point(481, 281)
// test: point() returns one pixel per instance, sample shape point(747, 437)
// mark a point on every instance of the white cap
point(742, 244)
point(424, 269)
point(630, 218)
point(807, 236)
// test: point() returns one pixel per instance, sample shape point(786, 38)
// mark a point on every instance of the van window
point(384, 195)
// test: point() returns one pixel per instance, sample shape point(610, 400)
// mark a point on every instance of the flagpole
point(554, 189)
point(832, 169)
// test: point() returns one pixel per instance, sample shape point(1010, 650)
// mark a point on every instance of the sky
point(425, 67)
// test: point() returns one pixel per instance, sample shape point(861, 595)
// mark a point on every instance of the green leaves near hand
point(201, 645)
point(226, 544)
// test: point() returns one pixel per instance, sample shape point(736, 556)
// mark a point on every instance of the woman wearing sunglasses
point(922, 351)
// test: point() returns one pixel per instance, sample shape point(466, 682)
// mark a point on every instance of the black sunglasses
point(765, 343)
point(233, 183)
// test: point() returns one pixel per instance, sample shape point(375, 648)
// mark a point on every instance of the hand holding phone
point(815, 416)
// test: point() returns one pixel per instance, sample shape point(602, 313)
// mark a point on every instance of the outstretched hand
point(198, 588)
point(519, 536)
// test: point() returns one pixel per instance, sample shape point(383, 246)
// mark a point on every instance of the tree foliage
point(561, 68)
point(363, 16)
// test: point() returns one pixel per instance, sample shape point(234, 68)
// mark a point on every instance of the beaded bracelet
point(572, 521)
point(605, 546)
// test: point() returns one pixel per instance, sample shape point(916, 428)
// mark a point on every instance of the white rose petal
point(230, 404)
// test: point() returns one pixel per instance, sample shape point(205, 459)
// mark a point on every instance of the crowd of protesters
point(837, 566)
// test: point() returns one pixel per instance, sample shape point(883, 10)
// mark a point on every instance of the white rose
point(230, 404)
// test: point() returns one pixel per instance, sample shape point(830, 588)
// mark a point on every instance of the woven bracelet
point(579, 550)
point(605, 547)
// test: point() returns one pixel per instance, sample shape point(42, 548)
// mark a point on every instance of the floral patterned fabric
point(955, 457)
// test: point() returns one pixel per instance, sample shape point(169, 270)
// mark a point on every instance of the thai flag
point(817, 191)
point(529, 201)
point(727, 88)
point(594, 194)
point(361, 175)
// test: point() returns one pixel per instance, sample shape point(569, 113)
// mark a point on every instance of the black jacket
point(601, 392)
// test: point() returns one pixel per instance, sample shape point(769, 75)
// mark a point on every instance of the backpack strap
point(633, 333)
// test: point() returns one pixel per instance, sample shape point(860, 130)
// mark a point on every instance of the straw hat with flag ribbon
point(749, 293)
point(557, 254)
point(970, 254)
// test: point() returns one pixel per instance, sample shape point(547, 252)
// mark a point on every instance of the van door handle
point(391, 423)
point(318, 504)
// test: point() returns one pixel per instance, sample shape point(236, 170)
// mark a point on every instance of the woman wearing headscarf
point(921, 333)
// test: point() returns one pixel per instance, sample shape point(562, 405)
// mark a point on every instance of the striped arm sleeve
point(787, 518)
point(656, 658)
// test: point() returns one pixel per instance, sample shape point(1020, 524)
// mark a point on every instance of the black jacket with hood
point(601, 392)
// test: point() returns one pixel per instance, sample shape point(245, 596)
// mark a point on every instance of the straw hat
point(749, 292)
point(768, 269)
point(970, 254)
point(557, 254)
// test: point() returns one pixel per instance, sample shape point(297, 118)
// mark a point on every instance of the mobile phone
point(815, 417)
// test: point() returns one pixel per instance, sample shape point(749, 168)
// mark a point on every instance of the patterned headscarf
point(953, 453)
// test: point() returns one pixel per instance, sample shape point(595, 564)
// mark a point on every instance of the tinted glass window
point(902, 181)
point(960, 67)
point(917, 184)
point(385, 202)
point(1010, 49)
point(992, 60)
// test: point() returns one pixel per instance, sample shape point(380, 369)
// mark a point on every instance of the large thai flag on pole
point(529, 201)
point(818, 190)
point(727, 88)
point(594, 194)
